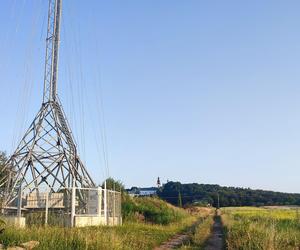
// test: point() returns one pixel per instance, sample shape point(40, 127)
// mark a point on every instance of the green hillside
point(150, 209)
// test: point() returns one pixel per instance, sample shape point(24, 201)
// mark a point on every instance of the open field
point(149, 222)
point(261, 228)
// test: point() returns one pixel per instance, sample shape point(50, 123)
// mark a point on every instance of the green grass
point(151, 222)
point(261, 228)
point(200, 235)
point(130, 236)
point(151, 210)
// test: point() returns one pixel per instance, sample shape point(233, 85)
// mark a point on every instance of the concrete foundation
point(84, 221)
point(79, 221)
point(16, 221)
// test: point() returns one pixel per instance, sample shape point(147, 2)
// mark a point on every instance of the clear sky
point(194, 91)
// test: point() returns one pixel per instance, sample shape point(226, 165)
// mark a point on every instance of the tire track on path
point(215, 241)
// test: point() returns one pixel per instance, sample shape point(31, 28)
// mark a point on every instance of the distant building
point(158, 182)
point(135, 191)
point(148, 191)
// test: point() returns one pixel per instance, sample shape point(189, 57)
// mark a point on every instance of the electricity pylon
point(47, 156)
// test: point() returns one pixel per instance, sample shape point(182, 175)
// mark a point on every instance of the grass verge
point(150, 222)
point(129, 236)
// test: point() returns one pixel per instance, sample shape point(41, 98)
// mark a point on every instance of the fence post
point(99, 201)
point(120, 207)
point(114, 205)
point(105, 204)
point(46, 207)
point(73, 201)
point(19, 212)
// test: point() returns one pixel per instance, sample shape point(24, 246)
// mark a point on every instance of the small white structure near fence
point(72, 207)
point(94, 207)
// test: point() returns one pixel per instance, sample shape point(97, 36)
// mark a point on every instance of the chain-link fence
point(69, 207)
point(96, 206)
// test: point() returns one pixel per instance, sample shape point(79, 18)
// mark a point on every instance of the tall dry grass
point(160, 222)
point(260, 228)
point(130, 236)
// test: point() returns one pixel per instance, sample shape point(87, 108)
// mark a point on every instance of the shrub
point(151, 210)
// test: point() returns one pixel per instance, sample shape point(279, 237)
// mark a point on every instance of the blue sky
point(194, 91)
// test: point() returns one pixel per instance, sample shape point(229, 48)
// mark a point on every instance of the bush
point(151, 210)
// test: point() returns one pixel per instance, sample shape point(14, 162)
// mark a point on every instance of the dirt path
point(179, 239)
point(215, 241)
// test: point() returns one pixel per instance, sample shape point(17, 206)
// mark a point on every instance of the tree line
point(180, 194)
point(207, 194)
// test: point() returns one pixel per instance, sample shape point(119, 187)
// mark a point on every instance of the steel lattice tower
point(47, 156)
